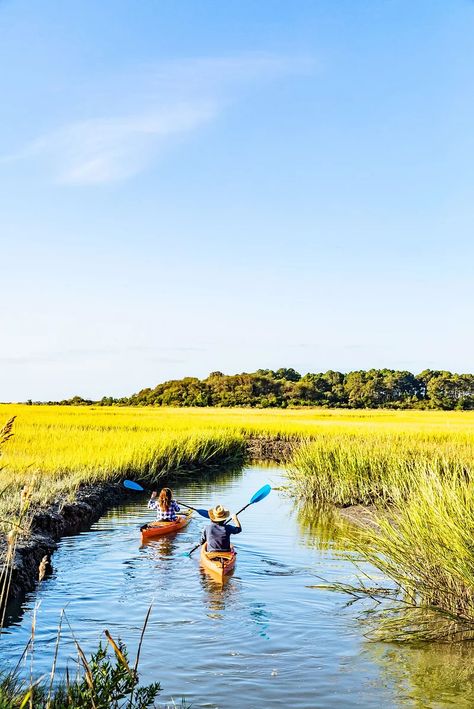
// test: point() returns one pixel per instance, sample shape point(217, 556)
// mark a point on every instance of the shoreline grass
point(422, 538)
point(346, 456)
point(419, 464)
point(371, 470)
point(425, 546)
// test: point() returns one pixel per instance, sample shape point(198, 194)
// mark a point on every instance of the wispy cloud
point(148, 110)
point(102, 150)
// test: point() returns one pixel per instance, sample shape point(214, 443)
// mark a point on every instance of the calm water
point(263, 640)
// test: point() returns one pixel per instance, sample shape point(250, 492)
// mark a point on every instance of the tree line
point(375, 388)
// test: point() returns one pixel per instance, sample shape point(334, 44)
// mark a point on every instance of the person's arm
point(235, 528)
point(203, 536)
point(152, 503)
point(176, 507)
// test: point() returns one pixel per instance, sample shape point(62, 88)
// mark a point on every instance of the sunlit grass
point(418, 463)
point(368, 469)
point(424, 544)
point(351, 457)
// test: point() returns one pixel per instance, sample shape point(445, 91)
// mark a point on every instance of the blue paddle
point(259, 495)
point(131, 485)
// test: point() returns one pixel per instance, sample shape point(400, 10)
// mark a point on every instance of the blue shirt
point(217, 536)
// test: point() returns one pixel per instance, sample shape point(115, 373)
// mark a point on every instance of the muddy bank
point(92, 501)
point(271, 449)
point(359, 515)
point(58, 520)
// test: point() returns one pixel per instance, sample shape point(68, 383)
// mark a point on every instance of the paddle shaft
point(237, 513)
point(188, 506)
point(243, 508)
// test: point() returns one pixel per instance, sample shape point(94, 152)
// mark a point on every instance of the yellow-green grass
point(419, 462)
point(65, 446)
point(62, 448)
point(425, 545)
point(370, 469)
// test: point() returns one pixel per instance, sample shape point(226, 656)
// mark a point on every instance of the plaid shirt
point(168, 515)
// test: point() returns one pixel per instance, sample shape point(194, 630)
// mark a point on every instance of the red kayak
point(157, 529)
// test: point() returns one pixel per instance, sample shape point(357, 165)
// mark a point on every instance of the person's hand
point(154, 494)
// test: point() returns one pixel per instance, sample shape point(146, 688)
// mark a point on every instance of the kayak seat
point(223, 555)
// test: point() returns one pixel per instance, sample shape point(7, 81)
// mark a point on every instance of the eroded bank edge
point(63, 518)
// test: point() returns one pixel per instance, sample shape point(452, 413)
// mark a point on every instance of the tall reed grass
point(421, 487)
point(418, 464)
point(425, 545)
point(374, 469)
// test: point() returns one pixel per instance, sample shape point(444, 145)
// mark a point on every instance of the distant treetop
point(374, 388)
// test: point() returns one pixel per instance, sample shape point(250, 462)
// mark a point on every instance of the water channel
point(266, 639)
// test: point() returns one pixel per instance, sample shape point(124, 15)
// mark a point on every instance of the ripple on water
point(264, 639)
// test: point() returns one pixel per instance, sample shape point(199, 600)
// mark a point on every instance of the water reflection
point(261, 617)
point(323, 528)
point(220, 598)
point(267, 632)
point(217, 596)
point(431, 675)
point(423, 676)
point(161, 547)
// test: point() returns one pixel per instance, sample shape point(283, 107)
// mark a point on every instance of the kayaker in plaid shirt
point(166, 508)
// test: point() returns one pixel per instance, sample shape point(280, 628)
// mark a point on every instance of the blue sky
point(190, 186)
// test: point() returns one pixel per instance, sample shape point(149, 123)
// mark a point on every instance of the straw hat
point(218, 513)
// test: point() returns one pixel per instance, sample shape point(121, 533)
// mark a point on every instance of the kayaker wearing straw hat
point(217, 535)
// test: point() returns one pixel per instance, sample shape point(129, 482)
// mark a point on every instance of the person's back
point(217, 534)
point(166, 508)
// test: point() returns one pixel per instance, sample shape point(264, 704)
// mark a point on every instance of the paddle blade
point(130, 485)
point(260, 494)
point(203, 513)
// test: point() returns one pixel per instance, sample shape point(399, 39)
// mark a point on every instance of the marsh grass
point(368, 470)
point(422, 536)
point(63, 451)
point(417, 464)
point(425, 546)
point(349, 452)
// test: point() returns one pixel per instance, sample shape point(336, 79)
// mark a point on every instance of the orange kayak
point(218, 563)
point(156, 529)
